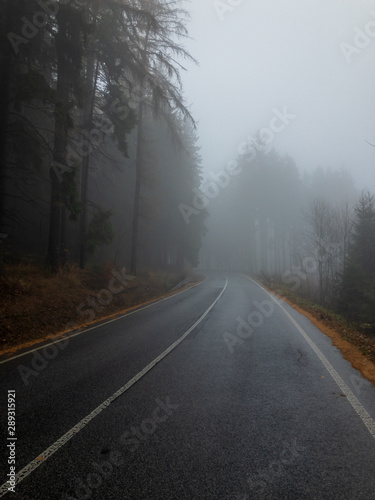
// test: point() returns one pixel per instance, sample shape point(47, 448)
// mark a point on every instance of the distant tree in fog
point(326, 245)
point(357, 293)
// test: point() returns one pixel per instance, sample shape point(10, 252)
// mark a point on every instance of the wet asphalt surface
point(242, 408)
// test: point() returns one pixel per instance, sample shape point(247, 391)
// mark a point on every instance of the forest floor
point(37, 306)
point(356, 342)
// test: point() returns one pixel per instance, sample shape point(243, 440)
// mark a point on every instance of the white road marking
point(360, 410)
point(68, 337)
point(78, 427)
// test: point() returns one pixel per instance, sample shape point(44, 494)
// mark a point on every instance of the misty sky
point(267, 54)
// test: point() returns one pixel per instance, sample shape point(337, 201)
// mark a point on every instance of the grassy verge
point(36, 305)
point(355, 341)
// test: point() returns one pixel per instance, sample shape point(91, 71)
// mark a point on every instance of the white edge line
point(357, 406)
point(34, 464)
point(64, 336)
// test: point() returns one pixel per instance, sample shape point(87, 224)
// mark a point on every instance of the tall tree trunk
point(263, 245)
point(180, 257)
point(91, 79)
point(138, 167)
point(137, 190)
point(55, 243)
point(7, 58)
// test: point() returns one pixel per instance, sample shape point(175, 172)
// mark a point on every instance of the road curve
point(220, 392)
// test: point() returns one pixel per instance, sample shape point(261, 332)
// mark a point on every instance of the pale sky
point(263, 55)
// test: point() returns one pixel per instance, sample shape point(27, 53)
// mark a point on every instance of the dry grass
point(356, 343)
point(36, 305)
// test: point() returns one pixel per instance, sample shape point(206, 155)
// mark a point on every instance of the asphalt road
point(219, 392)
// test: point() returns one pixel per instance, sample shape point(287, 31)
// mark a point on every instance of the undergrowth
point(37, 304)
point(360, 335)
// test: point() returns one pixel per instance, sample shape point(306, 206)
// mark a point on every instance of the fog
point(156, 189)
point(293, 79)
point(300, 77)
point(261, 55)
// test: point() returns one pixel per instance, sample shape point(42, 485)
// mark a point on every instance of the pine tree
point(161, 86)
point(69, 41)
point(357, 294)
